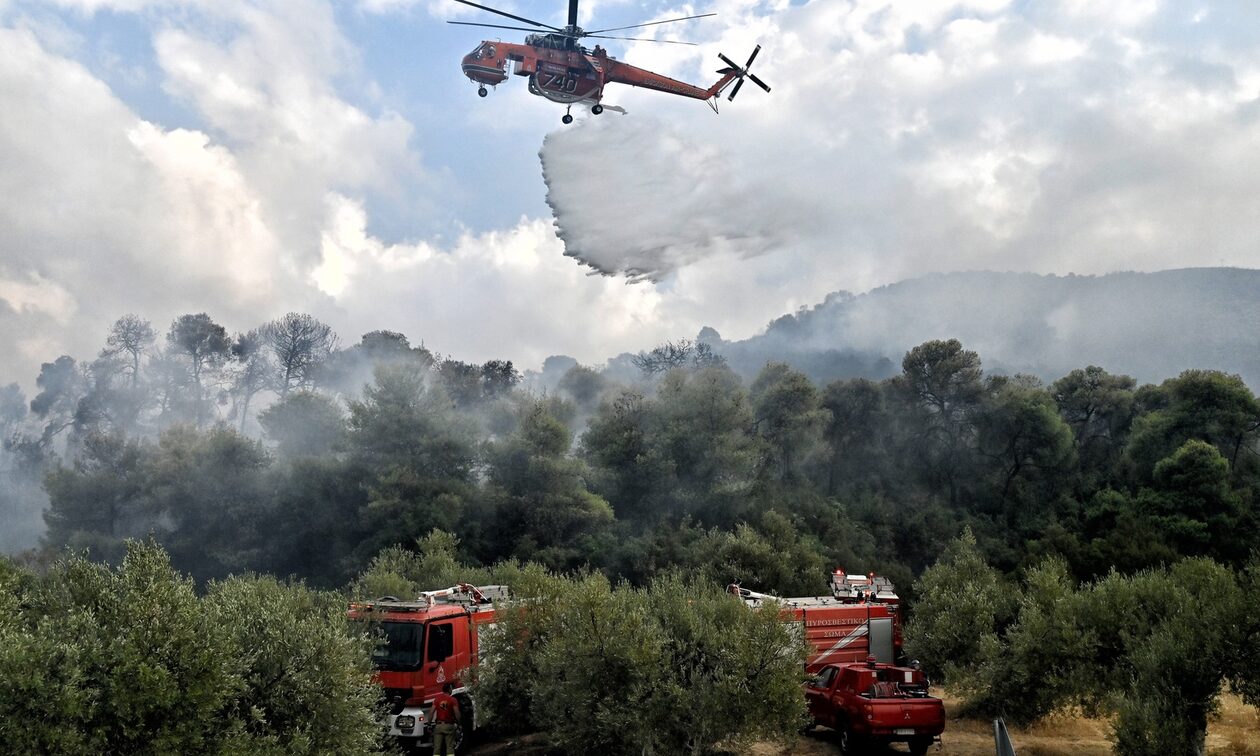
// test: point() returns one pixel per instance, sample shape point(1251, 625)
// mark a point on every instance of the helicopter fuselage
point(562, 71)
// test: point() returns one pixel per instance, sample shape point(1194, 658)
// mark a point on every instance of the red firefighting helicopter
point(563, 71)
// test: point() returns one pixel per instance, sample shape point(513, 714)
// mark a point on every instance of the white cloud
point(105, 213)
point(509, 293)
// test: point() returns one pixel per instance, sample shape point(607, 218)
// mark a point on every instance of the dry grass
point(1235, 732)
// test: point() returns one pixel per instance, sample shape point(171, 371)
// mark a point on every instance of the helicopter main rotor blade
point(639, 39)
point(493, 26)
point(652, 23)
point(573, 12)
point(752, 57)
point(509, 15)
point(735, 91)
point(758, 82)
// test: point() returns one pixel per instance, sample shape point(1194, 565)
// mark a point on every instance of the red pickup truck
point(870, 704)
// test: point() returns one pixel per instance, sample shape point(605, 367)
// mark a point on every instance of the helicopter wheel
point(597, 109)
point(566, 119)
point(481, 92)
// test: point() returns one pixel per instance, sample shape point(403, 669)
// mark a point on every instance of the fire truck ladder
point(465, 593)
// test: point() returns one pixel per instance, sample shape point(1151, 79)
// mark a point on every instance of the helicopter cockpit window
point(486, 50)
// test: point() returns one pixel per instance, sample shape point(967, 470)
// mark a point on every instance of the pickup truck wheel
point(920, 746)
point(850, 744)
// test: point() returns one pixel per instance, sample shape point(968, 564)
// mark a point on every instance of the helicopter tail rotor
point(742, 72)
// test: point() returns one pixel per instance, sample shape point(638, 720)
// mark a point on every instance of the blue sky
point(250, 157)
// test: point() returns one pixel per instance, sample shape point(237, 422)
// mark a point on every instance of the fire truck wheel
point(464, 727)
point(920, 746)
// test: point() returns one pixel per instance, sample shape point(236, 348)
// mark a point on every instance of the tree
point(498, 378)
point(397, 571)
point(1099, 407)
point(211, 490)
point(852, 429)
point(299, 344)
point(113, 629)
point(542, 505)
point(130, 660)
point(1147, 647)
point(583, 385)
point(419, 454)
point(400, 420)
point(250, 373)
point(964, 605)
point(304, 424)
point(1197, 510)
point(1199, 404)
point(1026, 442)
point(1161, 653)
point(695, 664)
point(941, 384)
point(305, 678)
point(100, 499)
point(689, 451)
point(347, 370)
point(621, 443)
point(786, 413)
point(462, 382)
point(130, 337)
point(677, 354)
point(1035, 669)
point(772, 558)
point(62, 385)
point(202, 345)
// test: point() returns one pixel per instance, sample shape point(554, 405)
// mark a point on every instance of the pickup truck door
point(818, 697)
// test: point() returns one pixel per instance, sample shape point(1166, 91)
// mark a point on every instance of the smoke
point(22, 505)
point(1151, 326)
point(675, 203)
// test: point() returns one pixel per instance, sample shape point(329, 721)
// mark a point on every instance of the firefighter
point(445, 715)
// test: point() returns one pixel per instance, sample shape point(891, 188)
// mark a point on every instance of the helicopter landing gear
point(566, 119)
point(481, 92)
point(597, 109)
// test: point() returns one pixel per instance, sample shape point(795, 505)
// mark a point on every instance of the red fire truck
point(860, 618)
point(429, 643)
point(435, 639)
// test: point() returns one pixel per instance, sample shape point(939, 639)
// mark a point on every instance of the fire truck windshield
point(403, 646)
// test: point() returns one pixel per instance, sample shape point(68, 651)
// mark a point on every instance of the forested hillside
point(769, 482)
point(1018, 509)
point(1147, 325)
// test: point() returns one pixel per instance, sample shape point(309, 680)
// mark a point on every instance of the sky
point(248, 158)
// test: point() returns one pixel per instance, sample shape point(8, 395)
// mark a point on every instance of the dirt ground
point(1236, 732)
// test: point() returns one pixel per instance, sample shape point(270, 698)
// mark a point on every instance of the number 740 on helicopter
point(560, 69)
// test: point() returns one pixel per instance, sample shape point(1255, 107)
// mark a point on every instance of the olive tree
point(675, 667)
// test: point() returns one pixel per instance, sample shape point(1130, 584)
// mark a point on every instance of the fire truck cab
point(426, 644)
